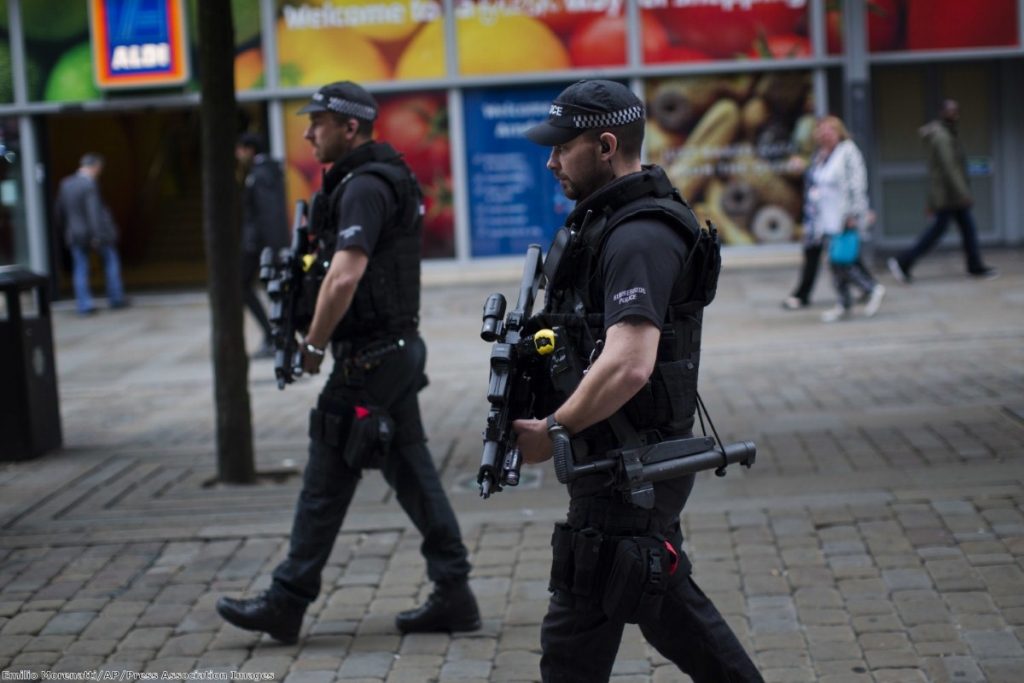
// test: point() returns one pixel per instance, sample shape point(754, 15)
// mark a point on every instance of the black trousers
point(329, 484)
point(579, 642)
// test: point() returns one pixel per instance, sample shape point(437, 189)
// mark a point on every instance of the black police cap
point(345, 98)
point(587, 105)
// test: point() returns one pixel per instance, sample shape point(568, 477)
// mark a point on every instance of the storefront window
point(13, 233)
point(725, 140)
point(6, 79)
point(58, 56)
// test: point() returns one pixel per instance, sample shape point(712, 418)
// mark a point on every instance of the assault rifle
point(292, 278)
point(508, 389)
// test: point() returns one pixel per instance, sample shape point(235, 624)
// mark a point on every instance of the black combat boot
point(278, 617)
point(451, 607)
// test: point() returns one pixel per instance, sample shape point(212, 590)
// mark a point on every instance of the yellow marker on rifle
point(307, 261)
point(544, 341)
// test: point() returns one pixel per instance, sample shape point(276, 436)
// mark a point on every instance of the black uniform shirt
point(366, 207)
point(641, 261)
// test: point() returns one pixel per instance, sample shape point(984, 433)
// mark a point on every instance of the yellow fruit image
point(249, 69)
point(509, 44)
point(314, 56)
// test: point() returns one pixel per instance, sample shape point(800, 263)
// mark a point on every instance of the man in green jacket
point(949, 196)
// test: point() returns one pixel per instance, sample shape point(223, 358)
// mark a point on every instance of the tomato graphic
point(885, 25)
point(944, 24)
point(417, 126)
point(602, 41)
point(725, 30)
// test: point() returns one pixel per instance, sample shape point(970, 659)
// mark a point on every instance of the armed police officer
point(366, 316)
point(628, 290)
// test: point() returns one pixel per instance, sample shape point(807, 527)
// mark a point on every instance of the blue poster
point(514, 200)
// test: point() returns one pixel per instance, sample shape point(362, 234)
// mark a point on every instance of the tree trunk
point(235, 462)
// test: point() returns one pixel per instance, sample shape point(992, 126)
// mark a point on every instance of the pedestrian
point(836, 208)
point(629, 291)
point(949, 197)
point(366, 316)
point(835, 200)
point(264, 224)
point(88, 226)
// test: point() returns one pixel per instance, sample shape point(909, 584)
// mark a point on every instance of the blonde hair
point(837, 125)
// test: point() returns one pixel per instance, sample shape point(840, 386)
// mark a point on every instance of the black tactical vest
point(387, 301)
point(575, 299)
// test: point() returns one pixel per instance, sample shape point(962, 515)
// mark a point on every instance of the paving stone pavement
point(878, 538)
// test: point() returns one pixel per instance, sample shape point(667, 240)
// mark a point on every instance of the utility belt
point(616, 556)
point(368, 356)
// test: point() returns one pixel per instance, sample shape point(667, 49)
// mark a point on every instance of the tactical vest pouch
point(641, 567)
point(679, 382)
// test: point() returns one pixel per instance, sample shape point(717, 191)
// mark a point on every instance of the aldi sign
point(138, 43)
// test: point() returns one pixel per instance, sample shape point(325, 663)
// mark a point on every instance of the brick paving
point(879, 537)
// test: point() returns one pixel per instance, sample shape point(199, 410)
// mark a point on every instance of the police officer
point(628, 289)
point(264, 224)
point(367, 315)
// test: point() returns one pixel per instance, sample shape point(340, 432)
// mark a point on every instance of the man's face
point(579, 168)
point(243, 154)
point(329, 136)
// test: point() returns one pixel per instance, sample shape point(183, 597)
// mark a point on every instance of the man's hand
point(533, 440)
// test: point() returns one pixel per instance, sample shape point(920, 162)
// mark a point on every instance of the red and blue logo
point(138, 43)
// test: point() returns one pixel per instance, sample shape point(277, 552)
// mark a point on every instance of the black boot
point(278, 617)
point(451, 607)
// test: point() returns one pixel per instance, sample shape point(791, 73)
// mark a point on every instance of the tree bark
point(218, 109)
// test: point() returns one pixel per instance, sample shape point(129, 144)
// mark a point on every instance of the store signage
point(514, 201)
point(138, 43)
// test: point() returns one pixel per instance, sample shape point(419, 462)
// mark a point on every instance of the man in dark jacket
point(949, 196)
point(264, 224)
point(87, 224)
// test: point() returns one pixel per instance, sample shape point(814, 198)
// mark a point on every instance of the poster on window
point(897, 25)
point(367, 41)
point(726, 142)
point(514, 201)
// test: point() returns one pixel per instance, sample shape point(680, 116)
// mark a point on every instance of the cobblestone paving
point(878, 538)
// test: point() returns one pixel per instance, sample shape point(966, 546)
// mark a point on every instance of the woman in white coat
point(836, 201)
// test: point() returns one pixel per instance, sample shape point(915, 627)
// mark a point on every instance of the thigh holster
point(361, 435)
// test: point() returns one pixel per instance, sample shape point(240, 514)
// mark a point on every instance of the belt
point(617, 517)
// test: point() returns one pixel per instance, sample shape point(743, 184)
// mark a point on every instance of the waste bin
point(29, 411)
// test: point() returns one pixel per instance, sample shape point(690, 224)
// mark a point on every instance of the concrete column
point(856, 76)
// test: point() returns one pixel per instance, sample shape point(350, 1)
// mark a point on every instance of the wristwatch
point(312, 350)
point(554, 424)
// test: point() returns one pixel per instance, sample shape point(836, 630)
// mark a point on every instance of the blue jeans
point(329, 483)
point(931, 236)
point(80, 276)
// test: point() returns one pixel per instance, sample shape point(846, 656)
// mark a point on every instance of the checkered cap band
point(607, 120)
point(347, 107)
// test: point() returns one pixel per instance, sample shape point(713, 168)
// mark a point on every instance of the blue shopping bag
point(844, 248)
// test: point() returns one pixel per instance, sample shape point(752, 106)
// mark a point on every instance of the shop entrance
point(152, 183)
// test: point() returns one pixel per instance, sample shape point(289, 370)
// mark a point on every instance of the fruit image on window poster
point(416, 125)
point(896, 25)
point(701, 30)
point(320, 41)
point(725, 142)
